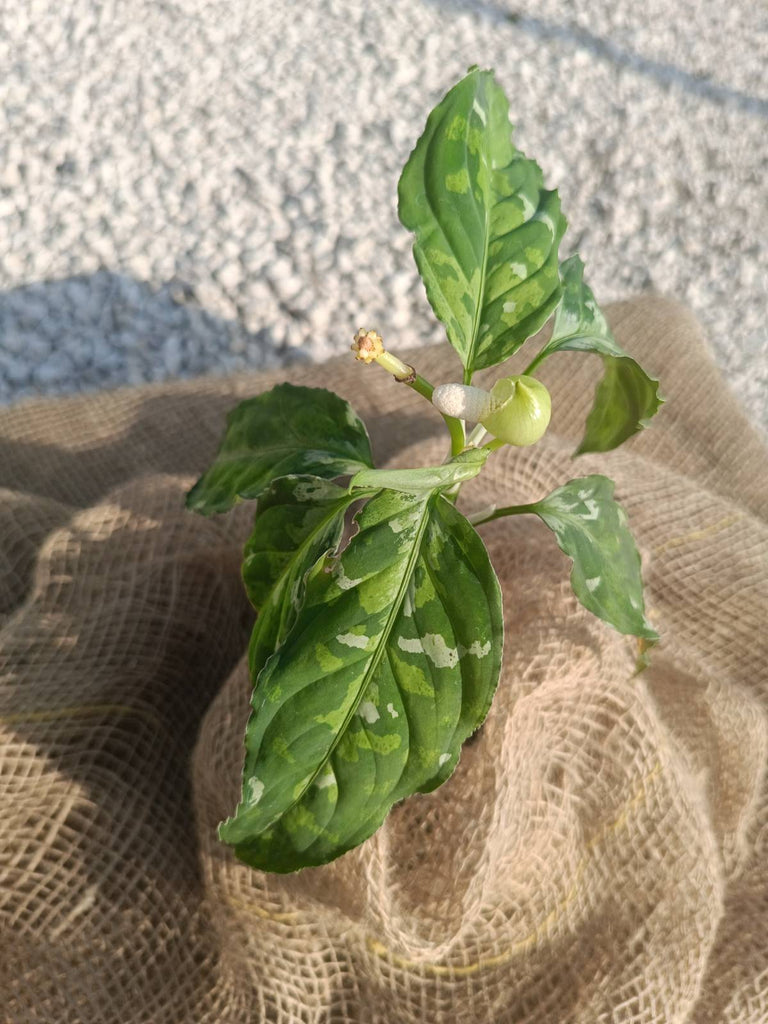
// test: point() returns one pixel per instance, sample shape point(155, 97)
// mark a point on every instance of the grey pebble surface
point(201, 187)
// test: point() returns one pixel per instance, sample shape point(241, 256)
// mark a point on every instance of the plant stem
point(476, 436)
point(369, 348)
point(422, 387)
point(406, 374)
point(535, 362)
point(456, 430)
point(499, 513)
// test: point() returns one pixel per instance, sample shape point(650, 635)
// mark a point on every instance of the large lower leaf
point(391, 664)
point(299, 518)
point(487, 232)
point(288, 430)
point(626, 398)
point(592, 529)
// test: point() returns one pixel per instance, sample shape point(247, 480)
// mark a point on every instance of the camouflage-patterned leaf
point(487, 232)
point(461, 467)
point(626, 398)
point(391, 664)
point(288, 430)
point(299, 519)
point(591, 528)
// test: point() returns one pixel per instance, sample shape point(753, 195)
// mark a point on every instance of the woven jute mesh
point(599, 853)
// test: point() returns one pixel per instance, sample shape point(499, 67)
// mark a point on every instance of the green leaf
point(592, 529)
point(298, 519)
point(288, 430)
point(626, 398)
point(487, 232)
point(391, 664)
point(461, 467)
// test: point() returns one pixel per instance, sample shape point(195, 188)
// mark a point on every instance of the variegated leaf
point(592, 529)
point(626, 398)
point(298, 519)
point(390, 665)
point(288, 430)
point(487, 232)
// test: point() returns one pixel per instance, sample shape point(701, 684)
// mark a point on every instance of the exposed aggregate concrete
point(203, 186)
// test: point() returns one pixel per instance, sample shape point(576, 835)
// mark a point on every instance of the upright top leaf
point(282, 432)
point(487, 233)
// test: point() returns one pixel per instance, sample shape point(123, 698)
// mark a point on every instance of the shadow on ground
point(104, 330)
point(574, 35)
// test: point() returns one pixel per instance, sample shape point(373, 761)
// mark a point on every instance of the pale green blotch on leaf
point(626, 398)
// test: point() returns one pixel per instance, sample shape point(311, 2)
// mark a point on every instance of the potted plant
point(378, 642)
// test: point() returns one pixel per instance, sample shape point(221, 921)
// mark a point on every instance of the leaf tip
point(645, 645)
point(195, 502)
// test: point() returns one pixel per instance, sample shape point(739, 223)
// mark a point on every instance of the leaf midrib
point(238, 454)
point(378, 655)
point(338, 505)
point(586, 336)
point(468, 369)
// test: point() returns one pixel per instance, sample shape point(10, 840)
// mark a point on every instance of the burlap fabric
point(600, 852)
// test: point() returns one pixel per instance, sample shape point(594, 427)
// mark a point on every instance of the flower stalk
point(369, 348)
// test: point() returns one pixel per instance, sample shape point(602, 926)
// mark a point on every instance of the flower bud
point(520, 409)
point(516, 410)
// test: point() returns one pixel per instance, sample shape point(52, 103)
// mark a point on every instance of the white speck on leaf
point(544, 218)
point(476, 649)
point(594, 509)
point(326, 780)
point(443, 758)
point(353, 640)
point(401, 523)
point(593, 584)
point(528, 206)
point(435, 648)
point(344, 582)
point(369, 712)
point(479, 111)
point(391, 710)
point(305, 491)
point(255, 791)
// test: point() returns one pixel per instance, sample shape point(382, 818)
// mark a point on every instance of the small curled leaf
point(626, 398)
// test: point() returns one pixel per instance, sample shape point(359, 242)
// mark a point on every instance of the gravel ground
point(194, 186)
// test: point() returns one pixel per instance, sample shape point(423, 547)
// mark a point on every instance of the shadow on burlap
point(599, 853)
